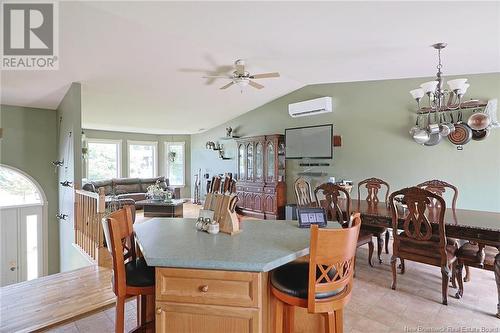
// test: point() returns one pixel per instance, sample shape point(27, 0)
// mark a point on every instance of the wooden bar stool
point(324, 284)
point(131, 275)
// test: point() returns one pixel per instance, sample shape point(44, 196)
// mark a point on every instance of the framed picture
point(308, 216)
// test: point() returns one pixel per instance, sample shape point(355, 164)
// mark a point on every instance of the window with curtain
point(175, 155)
point(142, 159)
point(103, 159)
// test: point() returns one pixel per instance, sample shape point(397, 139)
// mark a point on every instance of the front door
point(21, 251)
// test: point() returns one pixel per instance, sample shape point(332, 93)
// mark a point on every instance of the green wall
point(373, 118)
point(69, 119)
point(161, 139)
point(29, 144)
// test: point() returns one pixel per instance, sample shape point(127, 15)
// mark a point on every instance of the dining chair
point(373, 187)
point(439, 187)
point(322, 285)
point(475, 255)
point(331, 202)
point(131, 275)
point(418, 241)
point(303, 195)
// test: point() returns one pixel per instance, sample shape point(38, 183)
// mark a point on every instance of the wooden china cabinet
point(261, 187)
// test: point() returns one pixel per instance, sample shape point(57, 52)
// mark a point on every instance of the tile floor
point(414, 307)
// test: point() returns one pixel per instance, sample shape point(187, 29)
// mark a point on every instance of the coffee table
point(155, 208)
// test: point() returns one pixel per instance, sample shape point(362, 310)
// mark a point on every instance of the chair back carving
point(331, 202)
point(303, 193)
point(331, 265)
point(120, 240)
point(373, 187)
point(439, 187)
point(416, 225)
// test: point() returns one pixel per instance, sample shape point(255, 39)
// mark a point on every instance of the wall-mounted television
point(309, 142)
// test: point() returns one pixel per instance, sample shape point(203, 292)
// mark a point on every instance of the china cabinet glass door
point(259, 162)
point(250, 161)
point(241, 161)
point(270, 174)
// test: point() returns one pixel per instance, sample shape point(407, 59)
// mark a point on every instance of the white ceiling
point(140, 63)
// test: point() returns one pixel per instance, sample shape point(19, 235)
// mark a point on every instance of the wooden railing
point(90, 209)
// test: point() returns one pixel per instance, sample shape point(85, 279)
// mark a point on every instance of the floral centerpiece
point(155, 192)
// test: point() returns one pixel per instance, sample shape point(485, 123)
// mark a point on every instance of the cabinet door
point(195, 318)
point(270, 162)
point(258, 203)
point(259, 162)
point(248, 201)
point(249, 162)
point(270, 203)
point(241, 161)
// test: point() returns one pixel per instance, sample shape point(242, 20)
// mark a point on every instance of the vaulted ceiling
point(140, 63)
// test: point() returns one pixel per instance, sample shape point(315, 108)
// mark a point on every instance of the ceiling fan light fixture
point(241, 82)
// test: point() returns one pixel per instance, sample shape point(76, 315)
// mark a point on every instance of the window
point(142, 159)
point(176, 161)
point(103, 161)
point(17, 189)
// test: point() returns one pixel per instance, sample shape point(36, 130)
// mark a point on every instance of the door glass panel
point(250, 161)
point(259, 161)
point(241, 161)
point(270, 161)
point(31, 247)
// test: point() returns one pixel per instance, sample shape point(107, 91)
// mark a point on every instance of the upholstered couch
point(130, 188)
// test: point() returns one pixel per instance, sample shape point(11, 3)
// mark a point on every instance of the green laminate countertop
point(261, 246)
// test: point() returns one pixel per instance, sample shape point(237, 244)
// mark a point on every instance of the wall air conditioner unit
point(310, 107)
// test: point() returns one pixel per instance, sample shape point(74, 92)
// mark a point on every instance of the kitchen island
point(219, 283)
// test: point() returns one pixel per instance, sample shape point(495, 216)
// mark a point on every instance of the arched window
point(23, 232)
point(17, 189)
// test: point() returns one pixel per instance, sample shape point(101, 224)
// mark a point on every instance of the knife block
point(223, 213)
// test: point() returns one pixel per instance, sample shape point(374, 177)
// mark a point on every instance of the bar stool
point(131, 275)
point(324, 284)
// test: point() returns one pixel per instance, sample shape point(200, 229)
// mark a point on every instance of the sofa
point(126, 190)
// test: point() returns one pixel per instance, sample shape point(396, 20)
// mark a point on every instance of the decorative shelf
point(473, 104)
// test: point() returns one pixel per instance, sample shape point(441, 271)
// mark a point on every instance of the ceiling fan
point(243, 78)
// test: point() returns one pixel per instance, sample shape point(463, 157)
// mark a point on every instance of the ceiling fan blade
point(255, 84)
point(265, 75)
point(216, 77)
point(227, 85)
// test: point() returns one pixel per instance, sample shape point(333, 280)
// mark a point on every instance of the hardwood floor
point(36, 304)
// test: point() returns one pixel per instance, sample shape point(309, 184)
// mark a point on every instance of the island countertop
point(261, 246)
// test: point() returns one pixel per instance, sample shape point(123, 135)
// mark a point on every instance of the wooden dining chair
point(440, 187)
point(131, 275)
point(373, 186)
point(322, 285)
point(420, 241)
point(331, 202)
point(303, 196)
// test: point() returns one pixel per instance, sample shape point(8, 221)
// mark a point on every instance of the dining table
point(481, 227)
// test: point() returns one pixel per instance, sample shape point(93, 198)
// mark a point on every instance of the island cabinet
point(261, 187)
point(189, 300)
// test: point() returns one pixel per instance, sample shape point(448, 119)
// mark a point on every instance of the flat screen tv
point(309, 142)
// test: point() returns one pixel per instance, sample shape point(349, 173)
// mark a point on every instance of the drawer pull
point(204, 289)
point(158, 310)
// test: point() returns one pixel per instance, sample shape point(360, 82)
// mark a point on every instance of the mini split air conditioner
point(310, 107)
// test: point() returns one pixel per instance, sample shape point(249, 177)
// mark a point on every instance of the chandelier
point(435, 92)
